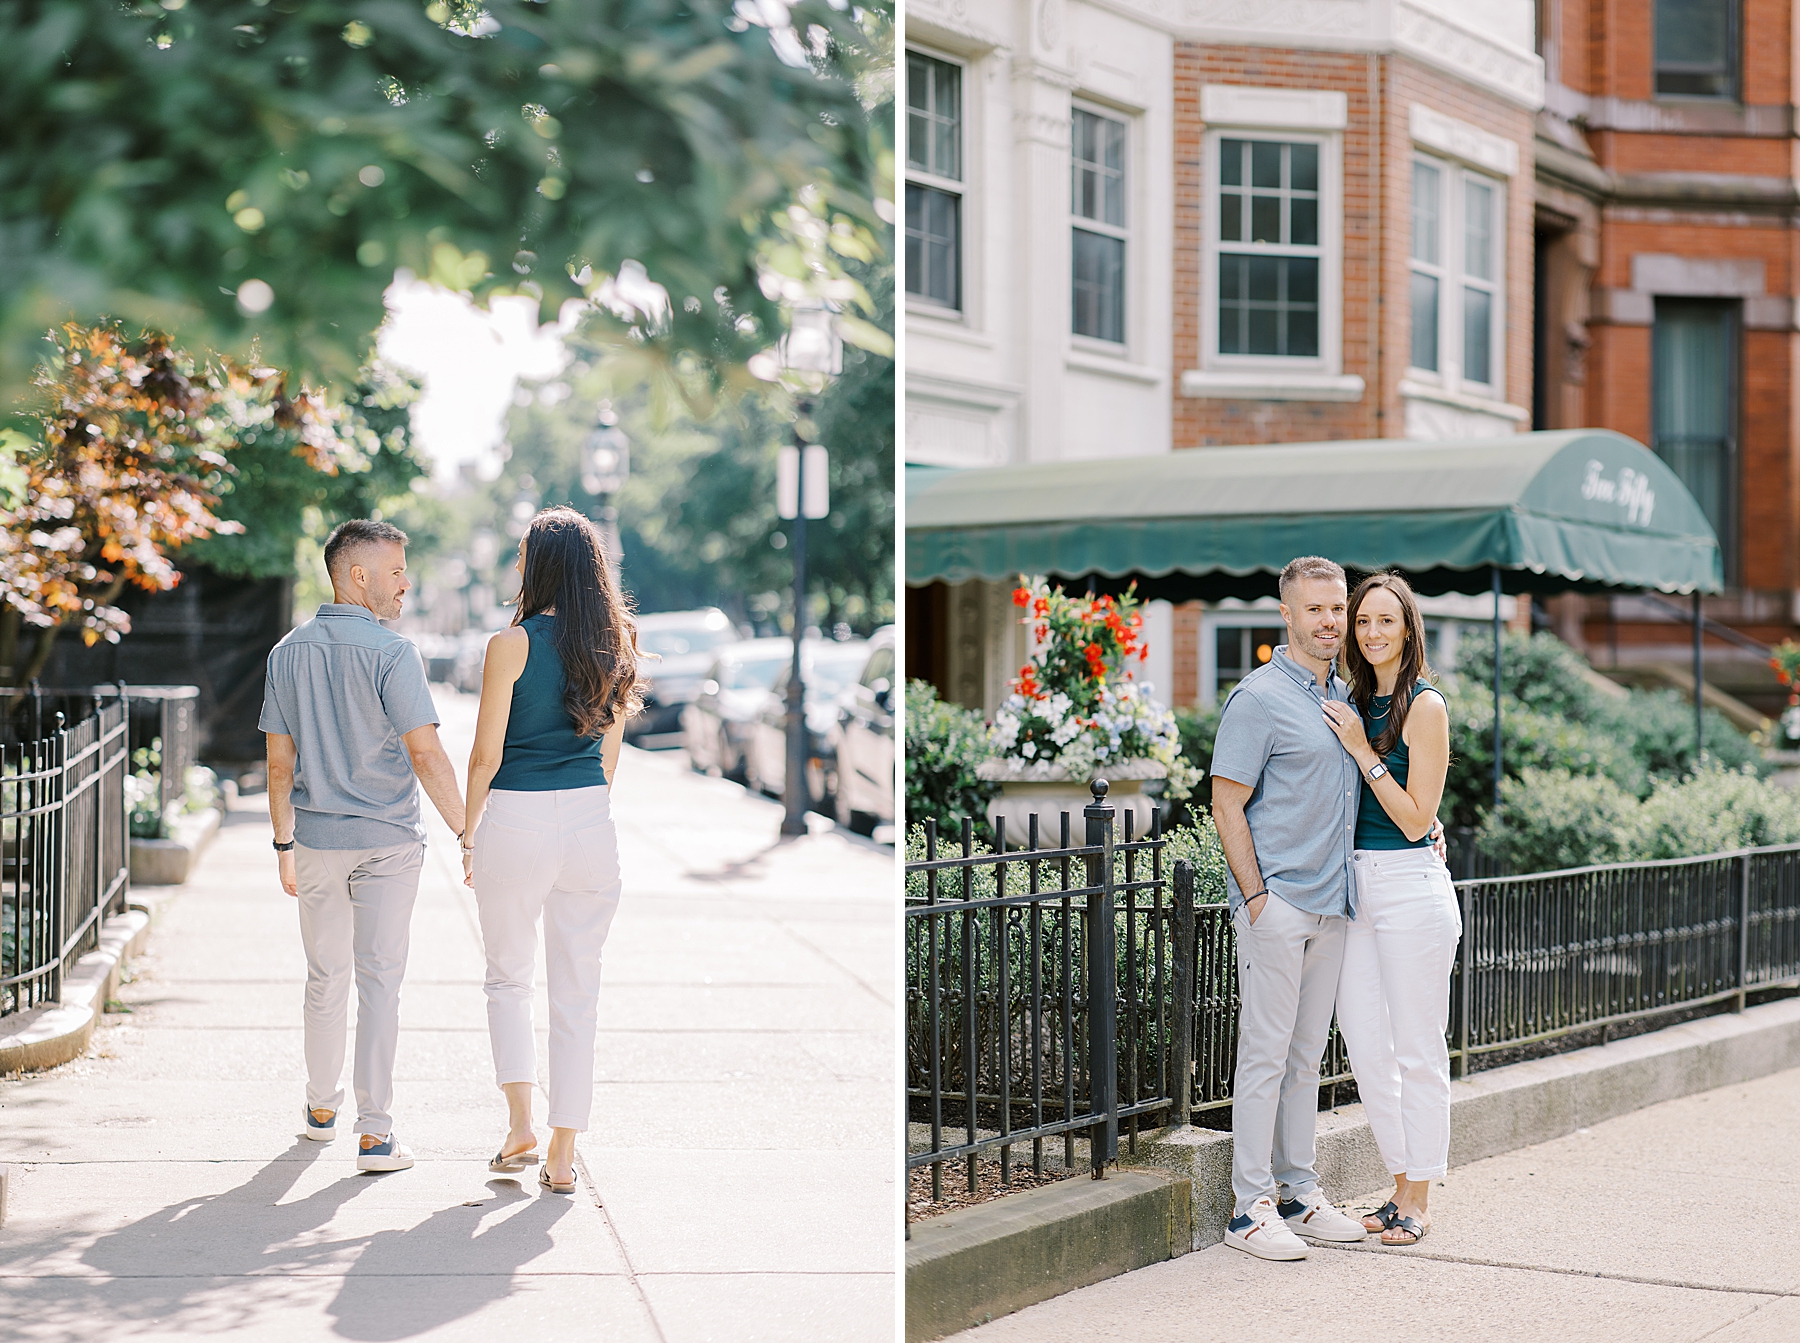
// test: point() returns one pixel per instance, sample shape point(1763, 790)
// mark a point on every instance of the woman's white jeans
point(554, 855)
point(1393, 1004)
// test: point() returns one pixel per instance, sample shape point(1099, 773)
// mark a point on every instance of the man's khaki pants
point(1288, 965)
point(355, 916)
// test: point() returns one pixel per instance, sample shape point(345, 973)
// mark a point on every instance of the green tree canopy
point(253, 170)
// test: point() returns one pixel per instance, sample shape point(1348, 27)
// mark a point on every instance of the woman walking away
point(1393, 1000)
point(556, 690)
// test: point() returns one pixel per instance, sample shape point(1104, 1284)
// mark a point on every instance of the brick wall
point(1376, 219)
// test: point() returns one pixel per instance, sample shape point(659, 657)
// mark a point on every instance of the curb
point(1512, 1107)
point(967, 1267)
point(170, 862)
point(59, 1031)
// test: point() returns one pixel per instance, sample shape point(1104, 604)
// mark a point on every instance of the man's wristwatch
point(1377, 771)
point(280, 847)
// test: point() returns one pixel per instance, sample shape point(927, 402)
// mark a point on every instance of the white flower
point(1029, 750)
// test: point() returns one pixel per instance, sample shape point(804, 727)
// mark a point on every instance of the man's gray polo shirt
point(346, 689)
point(1273, 737)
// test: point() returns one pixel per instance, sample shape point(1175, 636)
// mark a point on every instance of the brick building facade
point(1666, 195)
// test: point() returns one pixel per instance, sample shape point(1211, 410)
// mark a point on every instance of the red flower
point(1021, 596)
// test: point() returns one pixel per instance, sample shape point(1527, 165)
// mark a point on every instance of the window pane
point(1478, 323)
point(1231, 163)
point(1099, 286)
point(1265, 163)
point(934, 116)
point(1425, 215)
point(1424, 321)
point(1695, 53)
point(1478, 207)
point(1304, 167)
point(1265, 219)
point(1303, 224)
point(1302, 333)
point(1693, 398)
point(933, 244)
point(1096, 159)
point(1231, 218)
point(1269, 305)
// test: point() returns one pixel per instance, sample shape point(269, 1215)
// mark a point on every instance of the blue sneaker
point(387, 1154)
point(318, 1132)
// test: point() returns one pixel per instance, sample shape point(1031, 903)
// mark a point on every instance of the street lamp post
point(605, 463)
point(810, 348)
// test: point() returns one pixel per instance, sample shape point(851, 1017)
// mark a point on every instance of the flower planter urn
point(1048, 789)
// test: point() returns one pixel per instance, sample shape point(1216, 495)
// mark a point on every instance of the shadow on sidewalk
point(407, 1282)
point(235, 1260)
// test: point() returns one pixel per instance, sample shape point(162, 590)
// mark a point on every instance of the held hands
point(1343, 720)
point(468, 857)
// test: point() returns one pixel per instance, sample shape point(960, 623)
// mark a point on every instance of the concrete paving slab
point(734, 1212)
point(763, 1307)
point(287, 1308)
point(1611, 1232)
point(740, 1138)
point(1220, 1295)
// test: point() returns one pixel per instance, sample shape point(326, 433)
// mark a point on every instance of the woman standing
point(1393, 1000)
point(556, 690)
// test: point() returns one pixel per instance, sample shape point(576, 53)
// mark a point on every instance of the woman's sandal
point(509, 1165)
point(556, 1186)
point(1387, 1214)
point(1410, 1226)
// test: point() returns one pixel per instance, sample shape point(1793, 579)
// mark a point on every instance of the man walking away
point(1284, 799)
point(350, 725)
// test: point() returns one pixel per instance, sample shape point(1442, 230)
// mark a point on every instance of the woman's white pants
point(553, 855)
point(1393, 1004)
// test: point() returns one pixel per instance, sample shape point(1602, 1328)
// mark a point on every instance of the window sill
point(1112, 366)
point(1414, 390)
point(1271, 385)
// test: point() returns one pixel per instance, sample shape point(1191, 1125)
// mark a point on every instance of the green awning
point(1584, 509)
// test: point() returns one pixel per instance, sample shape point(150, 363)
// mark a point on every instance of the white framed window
point(1100, 235)
point(1272, 263)
point(1457, 263)
point(934, 180)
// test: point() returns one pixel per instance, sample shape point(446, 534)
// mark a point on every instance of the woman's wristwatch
point(464, 845)
point(1377, 771)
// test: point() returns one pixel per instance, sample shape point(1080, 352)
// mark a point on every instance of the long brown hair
point(1412, 659)
point(595, 636)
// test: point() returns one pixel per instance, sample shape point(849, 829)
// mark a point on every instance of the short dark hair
point(348, 538)
point(1306, 567)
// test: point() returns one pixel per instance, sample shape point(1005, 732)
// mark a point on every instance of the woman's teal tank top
point(1375, 829)
point(543, 752)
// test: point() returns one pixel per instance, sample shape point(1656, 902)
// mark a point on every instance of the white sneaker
point(387, 1154)
point(1263, 1233)
point(1313, 1217)
point(315, 1130)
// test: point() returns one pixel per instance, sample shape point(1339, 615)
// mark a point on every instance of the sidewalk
point(1667, 1225)
point(737, 1184)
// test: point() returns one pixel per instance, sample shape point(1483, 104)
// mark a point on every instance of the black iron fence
point(66, 859)
point(1076, 990)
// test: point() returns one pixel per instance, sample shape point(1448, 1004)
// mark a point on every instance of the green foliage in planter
point(944, 743)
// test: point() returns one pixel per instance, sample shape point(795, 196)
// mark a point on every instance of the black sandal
point(1411, 1226)
point(1387, 1214)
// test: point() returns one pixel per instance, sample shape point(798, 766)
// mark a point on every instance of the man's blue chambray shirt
point(1273, 737)
point(347, 689)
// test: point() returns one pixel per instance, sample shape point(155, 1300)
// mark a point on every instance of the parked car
point(827, 670)
point(861, 742)
point(685, 643)
point(716, 727)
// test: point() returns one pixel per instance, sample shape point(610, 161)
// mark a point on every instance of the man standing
point(1284, 799)
point(350, 726)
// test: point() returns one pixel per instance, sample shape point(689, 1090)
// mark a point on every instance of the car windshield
point(674, 643)
point(757, 673)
